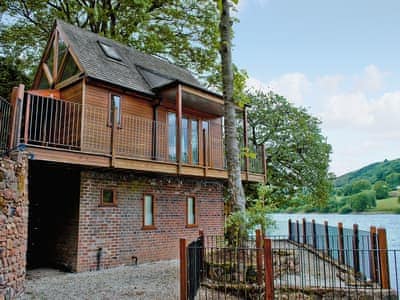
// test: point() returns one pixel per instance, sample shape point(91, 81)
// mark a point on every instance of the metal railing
point(277, 268)
point(56, 123)
point(51, 122)
point(5, 119)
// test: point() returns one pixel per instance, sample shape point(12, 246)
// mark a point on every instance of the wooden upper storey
point(73, 115)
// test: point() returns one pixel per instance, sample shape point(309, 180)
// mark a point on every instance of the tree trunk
point(235, 188)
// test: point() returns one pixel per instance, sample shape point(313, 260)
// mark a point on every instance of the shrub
point(345, 210)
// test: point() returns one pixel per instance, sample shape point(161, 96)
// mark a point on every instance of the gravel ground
point(146, 281)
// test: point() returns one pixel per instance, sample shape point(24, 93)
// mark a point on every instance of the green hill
point(373, 172)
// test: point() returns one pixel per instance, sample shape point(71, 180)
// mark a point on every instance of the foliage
point(297, 152)
point(356, 186)
point(254, 217)
point(10, 76)
point(363, 200)
point(183, 31)
point(393, 180)
point(373, 172)
point(381, 189)
point(345, 210)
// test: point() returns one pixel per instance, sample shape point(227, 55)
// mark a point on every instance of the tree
point(297, 152)
point(10, 76)
point(235, 188)
point(363, 200)
point(360, 185)
point(184, 31)
point(381, 189)
point(393, 180)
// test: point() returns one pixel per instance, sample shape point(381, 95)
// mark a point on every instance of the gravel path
point(146, 281)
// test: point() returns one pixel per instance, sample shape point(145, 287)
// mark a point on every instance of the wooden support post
point(314, 234)
point(114, 127)
point(264, 163)
point(259, 256)
point(178, 102)
point(326, 237)
point(205, 151)
point(341, 243)
point(297, 231)
point(373, 258)
point(290, 231)
point(246, 143)
point(27, 112)
point(183, 269)
point(304, 231)
point(17, 98)
point(356, 249)
point(383, 259)
point(269, 271)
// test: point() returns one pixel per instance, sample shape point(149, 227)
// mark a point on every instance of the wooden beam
point(246, 143)
point(269, 270)
point(373, 259)
point(203, 94)
point(55, 55)
point(17, 97)
point(383, 259)
point(341, 243)
point(183, 269)
point(264, 163)
point(178, 101)
point(47, 72)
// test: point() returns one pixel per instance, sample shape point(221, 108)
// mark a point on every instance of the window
point(172, 136)
point(115, 106)
point(69, 68)
point(185, 140)
point(148, 212)
point(190, 211)
point(110, 51)
point(195, 142)
point(108, 197)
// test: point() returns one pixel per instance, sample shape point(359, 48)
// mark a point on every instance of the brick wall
point(13, 224)
point(118, 230)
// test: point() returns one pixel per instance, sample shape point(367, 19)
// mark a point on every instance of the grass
point(389, 204)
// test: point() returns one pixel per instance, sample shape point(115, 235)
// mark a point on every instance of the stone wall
point(13, 224)
point(118, 230)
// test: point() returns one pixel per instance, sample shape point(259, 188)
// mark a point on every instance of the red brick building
point(127, 154)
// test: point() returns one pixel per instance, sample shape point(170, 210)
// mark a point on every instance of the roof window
point(110, 51)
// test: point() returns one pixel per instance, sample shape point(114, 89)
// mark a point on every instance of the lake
point(390, 222)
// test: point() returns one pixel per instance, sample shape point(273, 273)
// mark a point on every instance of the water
point(390, 222)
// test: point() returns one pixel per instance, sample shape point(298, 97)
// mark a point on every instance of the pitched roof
point(136, 70)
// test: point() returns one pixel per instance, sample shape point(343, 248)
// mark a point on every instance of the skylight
point(110, 51)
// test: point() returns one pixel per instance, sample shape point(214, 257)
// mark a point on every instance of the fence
point(5, 113)
point(276, 268)
point(355, 248)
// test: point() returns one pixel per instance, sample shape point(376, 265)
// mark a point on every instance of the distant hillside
point(373, 172)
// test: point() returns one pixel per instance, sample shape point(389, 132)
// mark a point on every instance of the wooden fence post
point(341, 243)
point(383, 258)
point(304, 231)
point(373, 260)
point(314, 234)
point(17, 98)
point(183, 269)
point(326, 237)
point(259, 256)
point(298, 231)
point(27, 112)
point(290, 230)
point(269, 271)
point(356, 256)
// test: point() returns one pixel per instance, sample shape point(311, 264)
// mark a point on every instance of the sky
point(338, 58)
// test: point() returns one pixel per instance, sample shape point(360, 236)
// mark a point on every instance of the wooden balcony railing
point(55, 123)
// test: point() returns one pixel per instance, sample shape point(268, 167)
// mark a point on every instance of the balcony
point(69, 132)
